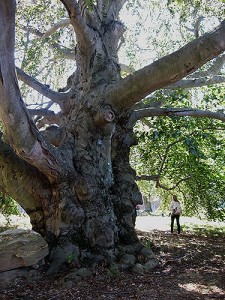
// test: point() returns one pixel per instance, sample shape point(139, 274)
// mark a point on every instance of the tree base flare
point(134, 257)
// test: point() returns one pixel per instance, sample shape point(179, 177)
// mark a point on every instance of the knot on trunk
point(114, 27)
point(84, 190)
point(104, 116)
point(55, 135)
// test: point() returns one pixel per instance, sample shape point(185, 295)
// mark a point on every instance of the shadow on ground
point(192, 266)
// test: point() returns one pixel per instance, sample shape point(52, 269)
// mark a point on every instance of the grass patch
point(205, 230)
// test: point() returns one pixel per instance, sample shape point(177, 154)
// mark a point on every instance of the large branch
point(19, 130)
point(213, 70)
point(45, 116)
point(159, 185)
point(196, 82)
point(111, 8)
point(41, 112)
point(12, 108)
point(179, 112)
point(167, 70)
point(84, 34)
point(120, 4)
point(16, 181)
point(41, 88)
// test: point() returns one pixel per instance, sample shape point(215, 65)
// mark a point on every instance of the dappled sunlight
point(148, 223)
point(191, 267)
point(195, 262)
point(208, 290)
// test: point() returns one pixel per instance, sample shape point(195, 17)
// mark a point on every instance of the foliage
point(157, 28)
point(40, 57)
point(8, 206)
point(149, 32)
point(197, 6)
point(205, 230)
point(185, 148)
point(70, 258)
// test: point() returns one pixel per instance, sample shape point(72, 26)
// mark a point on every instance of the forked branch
point(85, 35)
point(159, 185)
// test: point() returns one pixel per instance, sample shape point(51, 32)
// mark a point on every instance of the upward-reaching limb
point(19, 130)
point(167, 70)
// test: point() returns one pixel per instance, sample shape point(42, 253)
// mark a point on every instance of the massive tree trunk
point(74, 179)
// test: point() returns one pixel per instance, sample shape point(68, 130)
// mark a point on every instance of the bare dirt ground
point(192, 266)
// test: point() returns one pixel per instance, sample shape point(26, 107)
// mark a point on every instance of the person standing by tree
point(175, 209)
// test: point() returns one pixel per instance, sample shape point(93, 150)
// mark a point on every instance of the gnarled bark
point(88, 207)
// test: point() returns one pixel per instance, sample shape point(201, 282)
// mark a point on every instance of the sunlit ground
point(204, 289)
point(144, 223)
point(194, 262)
point(148, 223)
point(15, 221)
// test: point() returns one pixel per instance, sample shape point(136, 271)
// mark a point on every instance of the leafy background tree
point(192, 148)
